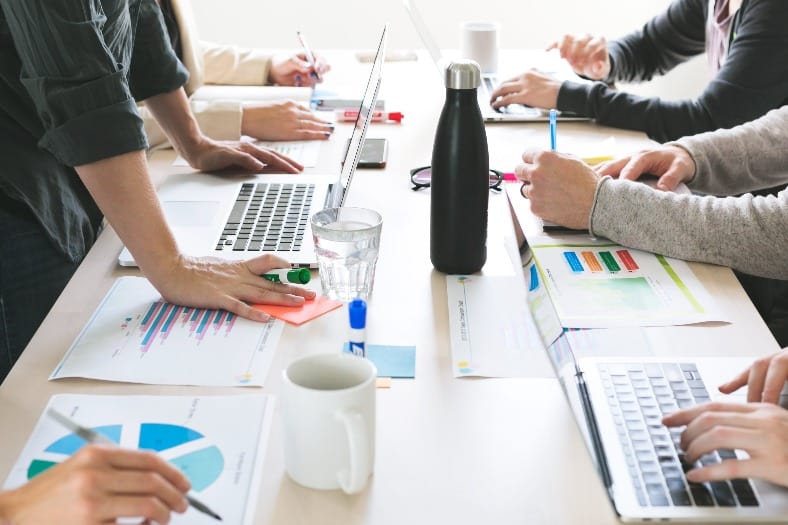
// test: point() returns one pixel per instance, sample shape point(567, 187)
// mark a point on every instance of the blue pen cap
point(357, 308)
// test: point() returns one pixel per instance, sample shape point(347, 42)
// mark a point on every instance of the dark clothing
point(70, 71)
point(752, 80)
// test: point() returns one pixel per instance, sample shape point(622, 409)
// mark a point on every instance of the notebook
point(211, 215)
point(511, 113)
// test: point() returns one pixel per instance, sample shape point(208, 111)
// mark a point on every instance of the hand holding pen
point(296, 70)
point(172, 488)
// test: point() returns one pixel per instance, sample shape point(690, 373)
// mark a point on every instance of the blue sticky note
point(391, 361)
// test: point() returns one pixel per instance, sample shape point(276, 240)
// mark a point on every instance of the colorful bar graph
point(162, 318)
point(610, 262)
point(574, 263)
point(627, 260)
point(592, 262)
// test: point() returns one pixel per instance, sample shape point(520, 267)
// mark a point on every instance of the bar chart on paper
point(216, 441)
point(136, 336)
point(594, 283)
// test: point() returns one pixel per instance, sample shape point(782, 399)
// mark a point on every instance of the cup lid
point(463, 74)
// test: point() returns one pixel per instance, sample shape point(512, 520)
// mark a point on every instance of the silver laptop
point(212, 215)
point(511, 113)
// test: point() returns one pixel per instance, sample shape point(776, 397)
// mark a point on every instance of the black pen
point(91, 436)
point(309, 56)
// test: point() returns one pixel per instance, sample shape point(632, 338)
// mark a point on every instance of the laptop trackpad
point(190, 214)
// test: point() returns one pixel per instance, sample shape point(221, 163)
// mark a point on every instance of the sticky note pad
point(391, 361)
point(298, 315)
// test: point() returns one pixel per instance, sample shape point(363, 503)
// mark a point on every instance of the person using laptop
point(759, 427)
point(99, 485)
point(746, 233)
point(745, 43)
point(211, 63)
point(74, 149)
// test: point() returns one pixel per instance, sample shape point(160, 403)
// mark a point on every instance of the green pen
point(288, 275)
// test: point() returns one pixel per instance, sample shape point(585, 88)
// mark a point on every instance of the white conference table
point(460, 451)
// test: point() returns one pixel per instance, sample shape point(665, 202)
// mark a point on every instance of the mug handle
point(354, 479)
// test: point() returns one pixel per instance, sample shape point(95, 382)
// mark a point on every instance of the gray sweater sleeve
point(747, 233)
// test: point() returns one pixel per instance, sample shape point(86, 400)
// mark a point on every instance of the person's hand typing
point(759, 429)
point(672, 164)
point(587, 55)
point(212, 155)
point(764, 379)
point(531, 88)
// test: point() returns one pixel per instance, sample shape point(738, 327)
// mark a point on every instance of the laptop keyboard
point(511, 109)
point(268, 218)
point(639, 394)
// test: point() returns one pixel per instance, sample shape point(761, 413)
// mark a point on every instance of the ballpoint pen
point(553, 116)
point(91, 436)
point(309, 56)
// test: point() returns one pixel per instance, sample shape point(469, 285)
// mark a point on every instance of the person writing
point(98, 484)
point(74, 149)
point(211, 63)
point(747, 49)
point(760, 427)
point(746, 232)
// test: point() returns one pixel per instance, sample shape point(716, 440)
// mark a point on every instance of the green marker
point(289, 275)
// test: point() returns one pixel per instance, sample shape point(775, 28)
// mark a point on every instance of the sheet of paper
point(492, 333)
point(135, 336)
point(391, 361)
point(299, 315)
point(631, 341)
point(542, 311)
point(305, 152)
point(217, 441)
point(595, 283)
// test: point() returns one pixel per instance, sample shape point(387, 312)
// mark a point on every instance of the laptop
point(211, 215)
point(490, 81)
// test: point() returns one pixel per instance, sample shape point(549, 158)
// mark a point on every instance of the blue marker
point(357, 308)
point(553, 117)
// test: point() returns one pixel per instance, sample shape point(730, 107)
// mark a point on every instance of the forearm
point(217, 119)
point(174, 115)
point(742, 159)
point(746, 233)
point(123, 190)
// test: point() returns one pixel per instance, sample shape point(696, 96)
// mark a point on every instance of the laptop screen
point(368, 101)
point(424, 34)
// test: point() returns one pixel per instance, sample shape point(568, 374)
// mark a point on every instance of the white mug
point(328, 402)
point(479, 42)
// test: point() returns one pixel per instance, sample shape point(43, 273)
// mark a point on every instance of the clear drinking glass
point(346, 242)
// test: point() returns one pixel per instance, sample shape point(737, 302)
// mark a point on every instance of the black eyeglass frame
point(419, 185)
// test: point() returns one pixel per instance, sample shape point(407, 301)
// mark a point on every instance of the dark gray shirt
point(70, 71)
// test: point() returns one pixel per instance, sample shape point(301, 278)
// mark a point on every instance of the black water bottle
point(460, 176)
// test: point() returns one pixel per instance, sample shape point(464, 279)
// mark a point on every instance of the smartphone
point(373, 154)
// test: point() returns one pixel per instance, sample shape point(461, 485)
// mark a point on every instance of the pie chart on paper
point(199, 459)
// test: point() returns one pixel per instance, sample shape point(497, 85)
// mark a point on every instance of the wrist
point(6, 507)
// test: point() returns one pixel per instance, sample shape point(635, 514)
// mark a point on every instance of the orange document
point(299, 315)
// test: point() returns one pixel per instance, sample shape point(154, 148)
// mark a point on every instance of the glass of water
point(346, 242)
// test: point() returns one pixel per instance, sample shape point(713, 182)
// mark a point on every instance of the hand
point(283, 121)
point(560, 187)
point(672, 164)
point(211, 155)
point(99, 485)
point(765, 379)
point(586, 54)
point(208, 282)
point(294, 70)
point(759, 429)
point(532, 88)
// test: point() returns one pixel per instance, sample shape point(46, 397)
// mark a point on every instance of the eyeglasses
point(420, 178)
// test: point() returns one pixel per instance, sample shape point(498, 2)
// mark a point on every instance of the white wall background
point(355, 24)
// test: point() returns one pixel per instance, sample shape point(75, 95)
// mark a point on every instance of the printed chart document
point(137, 337)
point(305, 152)
point(492, 333)
point(595, 283)
point(217, 441)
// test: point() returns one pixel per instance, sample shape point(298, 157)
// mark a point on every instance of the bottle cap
point(396, 116)
point(299, 275)
point(463, 74)
point(358, 313)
